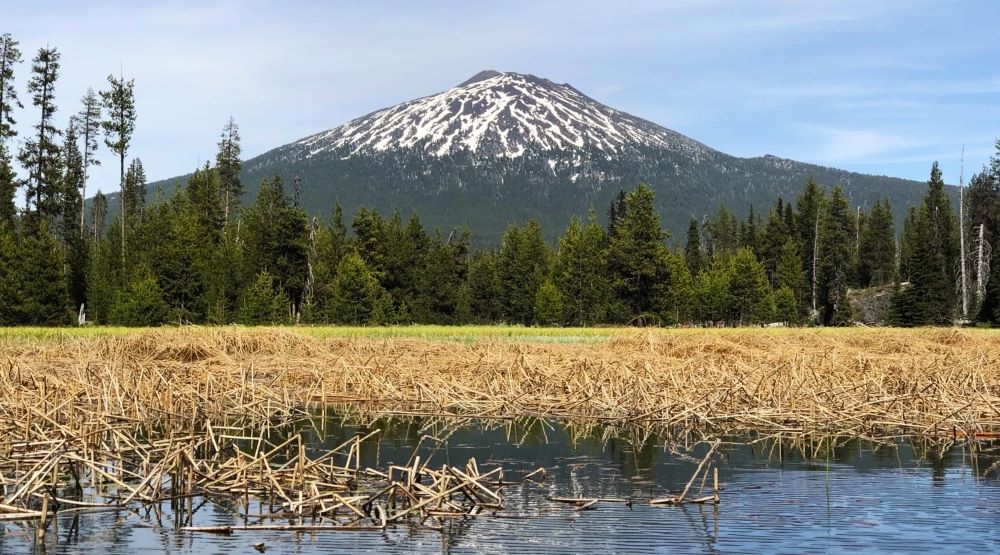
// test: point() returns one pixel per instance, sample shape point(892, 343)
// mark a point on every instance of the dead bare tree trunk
point(961, 235)
point(815, 261)
point(982, 265)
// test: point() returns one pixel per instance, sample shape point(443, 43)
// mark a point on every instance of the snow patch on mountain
point(501, 115)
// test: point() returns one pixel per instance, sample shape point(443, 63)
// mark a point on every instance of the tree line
point(199, 254)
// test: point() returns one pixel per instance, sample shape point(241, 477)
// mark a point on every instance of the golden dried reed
point(860, 382)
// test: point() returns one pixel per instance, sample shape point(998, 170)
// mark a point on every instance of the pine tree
point(749, 289)
point(340, 241)
point(225, 283)
point(404, 251)
point(141, 302)
point(523, 265)
point(485, 293)
point(70, 205)
point(371, 240)
point(791, 223)
point(332, 244)
point(276, 240)
point(638, 255)
point(750, 234)
point(8, 190)
point(615, 211)
point(89, 119)
point(721, 233)
point(103, 277)
point(810, 205)
point(908, 244)
point(261, 303)
point(202, 196)
point(134, 191)
point(692, 249)
point(227, 161)
point(785, 308)
point(70, 184)
point(836, 242)
point(205, 211)
point(931, 299)
point(357, 296)
point(10, 56)
point(43, 297)
point(440, 279)
point(98, 215)
point(713, 293)
point(983, 214)
point(788, 274)
point(877, 247)
point(679, 302)
point(40, 154)
point(941, 228)
point(185, 255)
point(548, 305)
point(776, 234)
point(581, 273)
point(10, 277)
point(119, 101)
point(179, 257)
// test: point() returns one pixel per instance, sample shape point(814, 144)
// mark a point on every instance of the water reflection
point(792, 495)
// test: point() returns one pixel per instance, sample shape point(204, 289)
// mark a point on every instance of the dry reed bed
point(184, 414)
point(858, 382)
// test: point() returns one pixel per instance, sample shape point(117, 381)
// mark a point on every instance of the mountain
point(500, 115)
point(505, 147)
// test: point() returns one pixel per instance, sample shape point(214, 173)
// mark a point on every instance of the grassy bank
point(466, 334)
point(447, 333)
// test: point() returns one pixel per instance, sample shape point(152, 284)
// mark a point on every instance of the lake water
point(849, 498)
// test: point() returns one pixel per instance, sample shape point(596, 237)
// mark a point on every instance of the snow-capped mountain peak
point(499, 114)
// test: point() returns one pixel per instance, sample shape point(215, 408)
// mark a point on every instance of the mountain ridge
point(502, 147)
point(499, 114)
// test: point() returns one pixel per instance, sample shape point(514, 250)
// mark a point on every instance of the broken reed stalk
point(679, 500)
point(146, 469)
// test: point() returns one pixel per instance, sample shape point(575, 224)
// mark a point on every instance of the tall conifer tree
point(227, 161)
point(119, 101)
point(98, 215)
point(70, 207)
point(877, 248)
point(40, 154)
point(638, 255)
point(523, 265)
point(776, 234)
point(10, 56)
point(8, 189)
point(907, 244)
point(693, 255)
point(836, 242)
point(89, 119)
point(581, 273)
point(810, 207)
point(931, 298)
point(134, 193)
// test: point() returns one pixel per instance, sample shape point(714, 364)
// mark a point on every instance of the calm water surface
point(852, 498)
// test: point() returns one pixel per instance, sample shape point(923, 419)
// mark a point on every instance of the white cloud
point(732, 73)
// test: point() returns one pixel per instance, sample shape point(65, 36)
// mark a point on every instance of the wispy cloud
point(854, 83)
point(836, 145)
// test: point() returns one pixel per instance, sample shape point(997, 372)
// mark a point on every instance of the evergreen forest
point(199, 252)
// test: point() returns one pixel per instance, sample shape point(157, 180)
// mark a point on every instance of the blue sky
point(877, 86)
